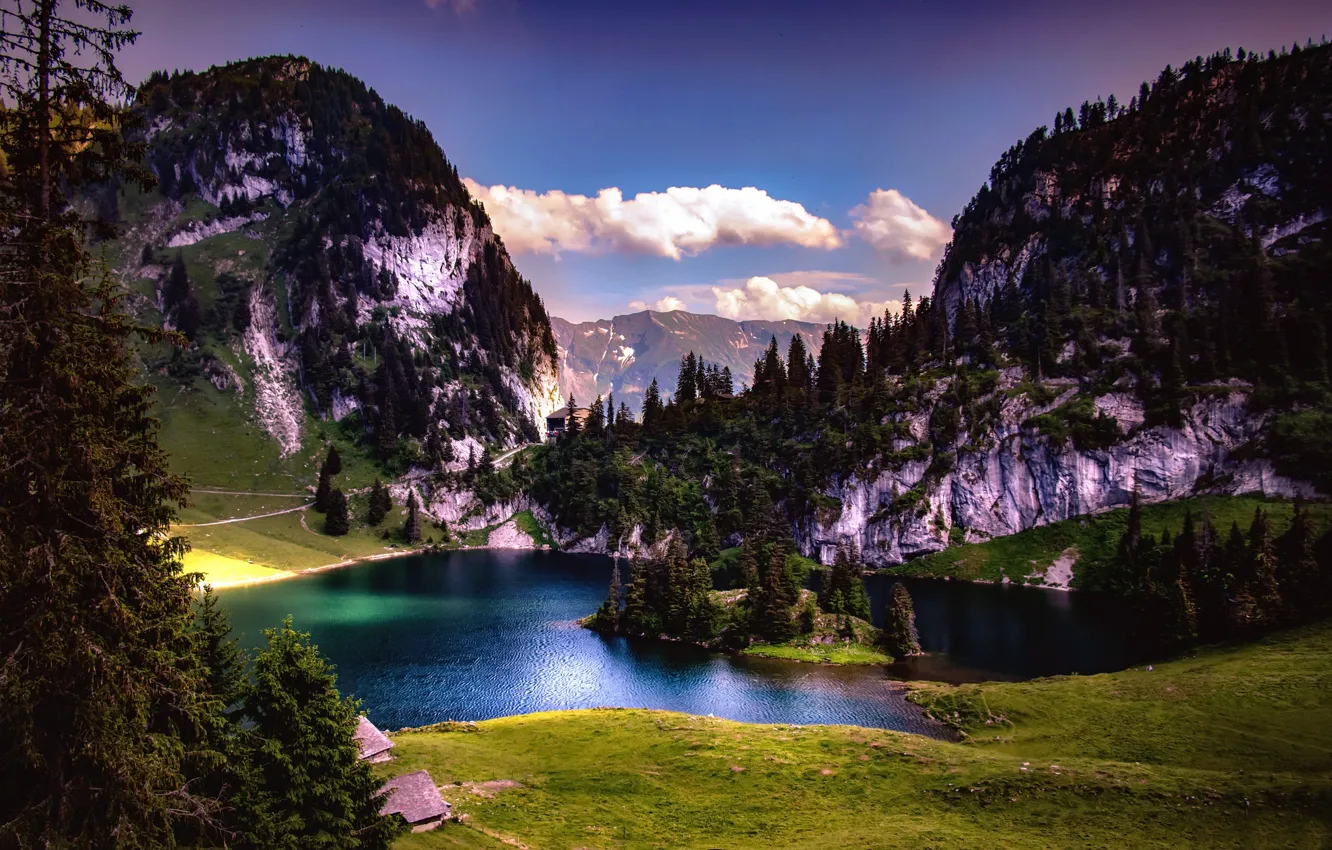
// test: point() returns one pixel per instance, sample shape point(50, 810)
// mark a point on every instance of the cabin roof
point(563, 413)
point(369, 739)
point(415, 797)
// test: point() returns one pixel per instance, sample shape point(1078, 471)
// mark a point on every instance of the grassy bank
point(1229, 749)
point(1092, 539)
point(838, 653)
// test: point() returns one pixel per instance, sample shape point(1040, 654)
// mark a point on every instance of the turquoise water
point(481, 634)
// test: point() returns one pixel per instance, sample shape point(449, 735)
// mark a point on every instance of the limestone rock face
point(1024, 479)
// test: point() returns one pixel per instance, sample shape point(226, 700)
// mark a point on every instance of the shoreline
point(283, 575)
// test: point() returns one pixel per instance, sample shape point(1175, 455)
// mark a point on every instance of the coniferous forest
point(128, 715)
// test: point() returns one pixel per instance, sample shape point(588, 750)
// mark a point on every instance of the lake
point(487, 633)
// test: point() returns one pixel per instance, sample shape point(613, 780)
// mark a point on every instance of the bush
point(1301, 446)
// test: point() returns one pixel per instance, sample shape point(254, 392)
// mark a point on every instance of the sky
point(752, 158)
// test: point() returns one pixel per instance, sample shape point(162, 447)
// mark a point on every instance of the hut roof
point(370, 740)
point(415, 797)
point(563, 413)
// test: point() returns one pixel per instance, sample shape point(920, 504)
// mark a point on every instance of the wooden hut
point(559, 420)
point(374, 745)
point(414, 798)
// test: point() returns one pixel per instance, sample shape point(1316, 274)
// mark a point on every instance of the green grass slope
point(1230, 749)
point(1260, 708)
point(1096, 538)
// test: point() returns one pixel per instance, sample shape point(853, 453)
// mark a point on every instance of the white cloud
point(894, 224)
point(662, 305)
point(679, 221)
point(765, 298)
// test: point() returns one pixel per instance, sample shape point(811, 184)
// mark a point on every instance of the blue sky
point(816, 106)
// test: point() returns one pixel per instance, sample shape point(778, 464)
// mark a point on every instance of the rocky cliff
point(1020, 478)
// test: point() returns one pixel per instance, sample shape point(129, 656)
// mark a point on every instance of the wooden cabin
point(374, 745)
point(559, 420)
point(414, 798)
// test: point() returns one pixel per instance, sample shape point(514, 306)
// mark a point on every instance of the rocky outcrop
point(509, 536)
point(277, 403)
point(1023, 479)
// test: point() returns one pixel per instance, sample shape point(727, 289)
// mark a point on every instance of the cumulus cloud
point(662, 305)
point(680, 221)
point(765, 298)
point(895, 225)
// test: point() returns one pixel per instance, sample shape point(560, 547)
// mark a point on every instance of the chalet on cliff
point(559, 420)
point(374, 745)
point(414, 798)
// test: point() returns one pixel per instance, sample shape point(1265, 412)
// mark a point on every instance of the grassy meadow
point(1095, 538)
point(1231, 748)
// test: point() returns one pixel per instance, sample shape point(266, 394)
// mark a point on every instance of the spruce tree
point(333, 463)
point(324, 489)
point(315, 792)
point(93, 601)
point(381, 502)
point(411, 527)
point(772, 614)
point(607, 617)
point(336, 521)
point(636, 618)
point(900, 638)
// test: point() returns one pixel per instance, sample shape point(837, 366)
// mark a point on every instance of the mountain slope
point(327, 264)
point(1154, 273)
point(623, 354)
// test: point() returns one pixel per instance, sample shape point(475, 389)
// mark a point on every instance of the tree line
point(128, 716)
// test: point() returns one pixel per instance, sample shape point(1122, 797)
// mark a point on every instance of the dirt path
point(504, 458)
point(243, 518)
point(249, 493)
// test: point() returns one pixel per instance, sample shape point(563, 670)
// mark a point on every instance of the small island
point(770, 614)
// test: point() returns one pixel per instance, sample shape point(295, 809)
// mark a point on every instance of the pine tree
point(381, 502)
point(900, 638)
point(635, 618)
point(315, 791)
point(333, 463)
point(844, 591)
point(93, 600)
point(411, 527)
point(749, 572)
point(336, 521)
point(324, 489)
point(607, 617)
point(1298, 571)
point(652, 408)
point(772, 614)
point(1263, 569)
point(487, 463)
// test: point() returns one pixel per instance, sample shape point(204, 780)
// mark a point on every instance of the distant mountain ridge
point(623, 354)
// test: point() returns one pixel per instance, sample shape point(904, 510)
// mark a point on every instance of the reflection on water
point(480, 634)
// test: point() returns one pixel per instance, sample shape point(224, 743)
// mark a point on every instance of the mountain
point(327, 264)
point(1133, 304)
point(622, 355)
point(1158, 272)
